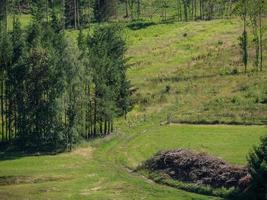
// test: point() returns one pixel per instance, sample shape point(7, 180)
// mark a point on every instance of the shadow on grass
point(137, 25)
point(12, 152)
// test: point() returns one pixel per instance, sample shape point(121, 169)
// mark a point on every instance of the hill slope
point(195, 70)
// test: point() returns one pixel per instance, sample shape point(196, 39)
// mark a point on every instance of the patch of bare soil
point(191, 167)
point(83, 152)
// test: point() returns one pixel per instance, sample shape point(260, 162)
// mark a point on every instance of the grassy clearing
point(70, 176)
point(100, 169)
point(231, 143)
point(186, 71)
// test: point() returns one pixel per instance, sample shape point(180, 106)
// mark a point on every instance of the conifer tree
point(258, 169)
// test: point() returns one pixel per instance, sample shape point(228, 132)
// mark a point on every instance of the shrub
point(167, 89)
point(258, 169)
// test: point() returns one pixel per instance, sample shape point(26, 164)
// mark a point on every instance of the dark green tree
point(258, 169)
point(104, 10)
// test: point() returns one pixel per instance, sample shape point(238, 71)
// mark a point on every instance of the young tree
point(253, 11)
point(261, 10)
point(258, 169)
point(106, 58)
point(243, 12)
point(73, 96)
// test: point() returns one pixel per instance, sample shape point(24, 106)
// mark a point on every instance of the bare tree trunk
point(75, 13)
point(126, 9)
point(5, 15)
point(105, 127)
point(6, 109)
point(261, 43)
point(15, 119)
point(46, 7)
point(95, 117)
point(138, 8)
point(245, 32)
point(63, 14)
point(2, 104)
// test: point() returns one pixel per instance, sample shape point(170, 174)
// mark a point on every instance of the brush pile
point(188, 166)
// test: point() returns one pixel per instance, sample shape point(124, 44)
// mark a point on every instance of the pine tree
point(243, 12)
point(258, 170)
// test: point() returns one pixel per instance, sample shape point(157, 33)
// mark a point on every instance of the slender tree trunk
point(2, 104)
point(5, 14)
point(78, 13)
point(105, 127)
point(95, 116)
point(126, 9)
point(260, 38)
point(111, 126)
point(9, 115)
point(100, 127)
point(46, 7)
point(75, 13)
point(138, 8)
point(6, 109)
point(245, 34)
point(108, 126)
point(185, 12)
point(177, 7)
point(15, 119)
point(63, 14)
point(201, 9)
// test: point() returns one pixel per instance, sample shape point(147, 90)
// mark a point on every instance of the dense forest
point(54, 92)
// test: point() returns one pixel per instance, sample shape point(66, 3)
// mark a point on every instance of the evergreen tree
point(111, 91)
point(243, 13)
point(258, 170)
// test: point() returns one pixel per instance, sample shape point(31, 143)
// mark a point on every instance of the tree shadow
point(14, 153)
point(138, 25)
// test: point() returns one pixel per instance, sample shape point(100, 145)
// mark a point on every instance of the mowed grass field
point(182, 72)
point(102, 169)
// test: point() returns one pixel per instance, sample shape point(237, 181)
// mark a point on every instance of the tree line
point(80, 13)
point(54, 93)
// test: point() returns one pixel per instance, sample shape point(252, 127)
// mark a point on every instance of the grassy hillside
point(195, 70)
point(183, 72)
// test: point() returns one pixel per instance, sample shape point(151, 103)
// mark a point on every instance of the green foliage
point(258, 169)
point(104, 10)
point(106, 50)
point(53, 92)
point(244, 45)
point(190, 187)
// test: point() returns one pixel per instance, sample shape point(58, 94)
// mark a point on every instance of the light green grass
point(99, 170)
point(231, 143)
point(25, 20)
point(196, 61)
